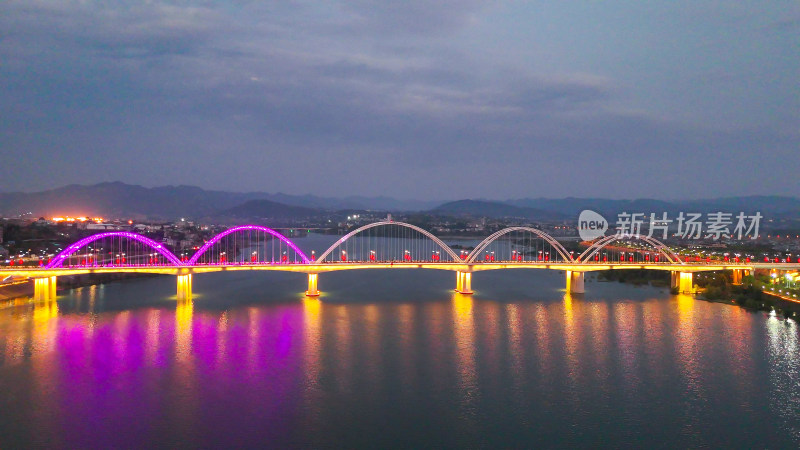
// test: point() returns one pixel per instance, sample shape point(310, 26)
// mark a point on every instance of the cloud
point(414, 16)
point(228, 95)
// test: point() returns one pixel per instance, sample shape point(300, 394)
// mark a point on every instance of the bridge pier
point(575, 282)
point(682, 281)
point(312, 285)
point(185, 287)
point(464, 282)
point(44, 289)
point(736, 276)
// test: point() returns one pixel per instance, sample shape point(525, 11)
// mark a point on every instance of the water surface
point(394, 358)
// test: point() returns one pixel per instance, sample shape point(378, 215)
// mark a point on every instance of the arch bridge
point(380, 245)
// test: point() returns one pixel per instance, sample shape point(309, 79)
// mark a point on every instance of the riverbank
point(751, 294)
point(716, 288)
point(16, 289)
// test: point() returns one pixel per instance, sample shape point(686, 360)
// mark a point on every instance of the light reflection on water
point(784, 363)
point(464, 330)
point(118, 364)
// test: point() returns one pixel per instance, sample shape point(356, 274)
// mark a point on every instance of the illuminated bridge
point(380, 245)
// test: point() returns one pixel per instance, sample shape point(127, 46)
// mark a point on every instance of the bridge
point(380, 245)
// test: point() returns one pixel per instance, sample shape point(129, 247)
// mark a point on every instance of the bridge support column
point(736, 276)
point(464, 282)
point(683, 282)
point(575, 282)
point(185, 287)
point(44, 289)
point(312, 285)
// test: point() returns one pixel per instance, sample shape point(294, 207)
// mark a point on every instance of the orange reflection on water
point(43, 340)
point(183, 329)
point(597, 341)
point(43, 312)
point(515, 348)
point(464, 331)
point(736, 326)
point(598, 327)
point(438, 335)
point(343, 348)
point(182, 412)
point(45, 323)
point(572, 338)
point(372, 337)
point(628, 329)
point(654, 329)
point(312, 359)
point(545, 359)
point(687, 345)
point(92, 297)
point(405, 325)
point(19, 327)
point(487, 332)
point(312, 327)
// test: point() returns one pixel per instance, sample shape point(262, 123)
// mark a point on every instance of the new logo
point(591, 225)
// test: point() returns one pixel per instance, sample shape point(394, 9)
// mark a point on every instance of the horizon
point(405, 199)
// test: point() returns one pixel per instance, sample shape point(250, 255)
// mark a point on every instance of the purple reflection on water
point(456, 371)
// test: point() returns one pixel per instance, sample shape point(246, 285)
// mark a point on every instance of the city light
point(59, 219)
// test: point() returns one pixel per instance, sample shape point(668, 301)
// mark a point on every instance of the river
point(394, 358)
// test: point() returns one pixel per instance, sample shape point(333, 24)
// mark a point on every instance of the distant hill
point(258, 209)
point(121, 200)
point(484, 208)
point(769, 205)
point(571, 206)
point(772, 206)
point(118, 199)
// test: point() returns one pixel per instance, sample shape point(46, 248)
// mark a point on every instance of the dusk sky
point(415, 99)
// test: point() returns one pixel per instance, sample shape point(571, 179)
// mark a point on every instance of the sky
point(424, 99)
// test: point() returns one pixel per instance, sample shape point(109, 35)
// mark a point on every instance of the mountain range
point(494, 209)
point(118, 199)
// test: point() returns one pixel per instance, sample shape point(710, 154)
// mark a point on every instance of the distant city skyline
point(427, 101)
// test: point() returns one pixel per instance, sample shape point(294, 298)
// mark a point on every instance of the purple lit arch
point(218, 237)
point(61, 257)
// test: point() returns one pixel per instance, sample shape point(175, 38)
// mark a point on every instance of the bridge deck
point(331, 267)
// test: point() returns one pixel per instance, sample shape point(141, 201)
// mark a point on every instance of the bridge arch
point(267, 230)
point(473, 255)
point(59, 259)
point(438, 242)
point(599, 244)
